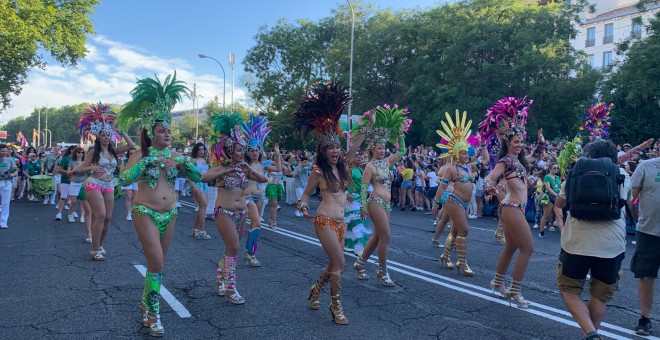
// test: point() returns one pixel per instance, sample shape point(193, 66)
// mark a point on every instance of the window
point(607, 59)
point(609, 34)
point(589, 60)
point(636, 28)
point(591, 37)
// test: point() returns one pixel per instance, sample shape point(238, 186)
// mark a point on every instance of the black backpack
point(592, 189)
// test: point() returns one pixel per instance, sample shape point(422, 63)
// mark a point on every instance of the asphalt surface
point(51, 289)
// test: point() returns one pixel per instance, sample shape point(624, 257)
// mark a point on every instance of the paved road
point(51, 289)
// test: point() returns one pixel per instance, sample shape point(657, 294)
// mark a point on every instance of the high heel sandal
point(221, 289)
point(445, 259)
point(251, 260)
point(316, 290)
point(461, 251)
point(359, 268)
point(336, 310)
point(143, 315)
point(515, 294)
point(497, 286)
point(384, 277)
point(234, 297)
point(156, 329)
point(272, 223)
point(435, 243)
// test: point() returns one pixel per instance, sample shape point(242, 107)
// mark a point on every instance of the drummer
point(8, 171)
point(32, 168)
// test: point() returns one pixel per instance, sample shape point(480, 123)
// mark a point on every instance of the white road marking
point(535, 308)
point(171, 300)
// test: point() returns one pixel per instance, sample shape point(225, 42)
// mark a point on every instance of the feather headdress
point(226, 133)
point(391, 124)
point(505, 119)
point(569, 156)
point(597, 120)
point(98, 118)
point(153, 102)
point(455, 136)
point(256, 131)
point(319, 111)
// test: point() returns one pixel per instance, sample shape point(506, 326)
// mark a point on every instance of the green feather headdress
point(226, 132)
point(391, 124)
point(153, 102)
point(569, 156)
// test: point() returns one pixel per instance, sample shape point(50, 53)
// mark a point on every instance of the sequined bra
point(466, 177)
point(513, 168)
point(275, 177)
point(383, 175)
point(232, 182)
point(155, 168)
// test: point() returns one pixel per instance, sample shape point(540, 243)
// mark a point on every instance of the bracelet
point(303, 205)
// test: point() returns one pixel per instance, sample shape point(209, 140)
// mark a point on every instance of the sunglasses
point(555, 168)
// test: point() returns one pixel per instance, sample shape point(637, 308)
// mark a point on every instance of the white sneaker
point(298, 213)
point(3, 227)
point(66, 207)
point(75, 214)
point(196, 209)
point(129, 217)
point(536, 226)
point(71, 218)
point(82, 219)
point(58, 217)
point(179, 205)
point(472, 216)
point(45, 200)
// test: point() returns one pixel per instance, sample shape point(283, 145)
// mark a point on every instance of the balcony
point(590, 42)
point(608, 39)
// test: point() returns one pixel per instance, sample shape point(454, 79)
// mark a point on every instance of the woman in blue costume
point(99, 120)
point(391, 124)
point(232, 175)
point(155, 169)
point(357, 233)
point(463, 176)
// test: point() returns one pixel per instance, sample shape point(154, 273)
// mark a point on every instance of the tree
point(30, 27)
point(635, 90)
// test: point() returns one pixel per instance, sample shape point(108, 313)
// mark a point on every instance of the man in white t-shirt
point(646, 260)
point(591, 246)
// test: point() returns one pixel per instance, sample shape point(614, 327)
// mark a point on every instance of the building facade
point(613, 22)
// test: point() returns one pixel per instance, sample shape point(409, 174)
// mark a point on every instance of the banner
point(3, 134)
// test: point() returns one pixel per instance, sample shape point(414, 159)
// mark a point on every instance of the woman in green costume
point(155, 169)
point(357, 232)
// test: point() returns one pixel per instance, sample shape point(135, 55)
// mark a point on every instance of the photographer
point(8, 171)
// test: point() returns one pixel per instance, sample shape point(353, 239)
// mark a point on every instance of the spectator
point(646, 260)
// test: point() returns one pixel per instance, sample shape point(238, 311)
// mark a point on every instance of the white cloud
point(108, 74)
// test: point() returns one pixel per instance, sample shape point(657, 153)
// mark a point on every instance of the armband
point(191, 170)
point(443, 199)
point(444, 181)
point(402, 147)
point(130, 175)
point(363, 197)
point(436, 203)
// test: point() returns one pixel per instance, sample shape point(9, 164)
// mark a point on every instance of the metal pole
point(194, 97)
point(231, 62)
point(45, 138)
point(39, 128)
point(224, 79)
point(350, 74)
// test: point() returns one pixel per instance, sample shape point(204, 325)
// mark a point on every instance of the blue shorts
point(419, 188)
point(203, 187)
point(406, 184)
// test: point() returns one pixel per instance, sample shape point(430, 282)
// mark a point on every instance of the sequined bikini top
point(108, 168)
point(232, 182)
point(383, 175)
point(154, 168)
point(466, 177)
point(275, 177)
point(513, 168)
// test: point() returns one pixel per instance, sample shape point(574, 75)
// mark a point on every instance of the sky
point(140, 38)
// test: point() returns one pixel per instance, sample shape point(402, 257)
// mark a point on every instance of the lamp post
point(48, 138)
point(38, 125)
point(350, 74)
point(232, 59)
point(224, 79)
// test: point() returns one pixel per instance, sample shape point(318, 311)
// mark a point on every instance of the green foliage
point(30, 27)
point(635, 90)
point(463, 55)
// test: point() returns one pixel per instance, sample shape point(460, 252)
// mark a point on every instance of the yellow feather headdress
point(455, 137)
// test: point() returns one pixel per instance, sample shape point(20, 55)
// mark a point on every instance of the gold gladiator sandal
point(336, 311)
point(384, 276)
point(445, 258)
point(155, 327)
point(316, 290)
point(497, 285)
point(461, 251)
point(516, 295)
point(359, 268)
point(143, 315)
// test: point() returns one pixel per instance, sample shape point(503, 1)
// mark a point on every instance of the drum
point(42, 184)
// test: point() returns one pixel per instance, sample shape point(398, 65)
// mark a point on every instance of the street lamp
point(224, 79)
point(38, 125)
point(48, 138)
point(232, 59)
point(350, 75)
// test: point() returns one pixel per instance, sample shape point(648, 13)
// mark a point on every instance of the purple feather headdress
point(256, 131)
point(506, 118)
point(597, 120)
point(98, 118)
